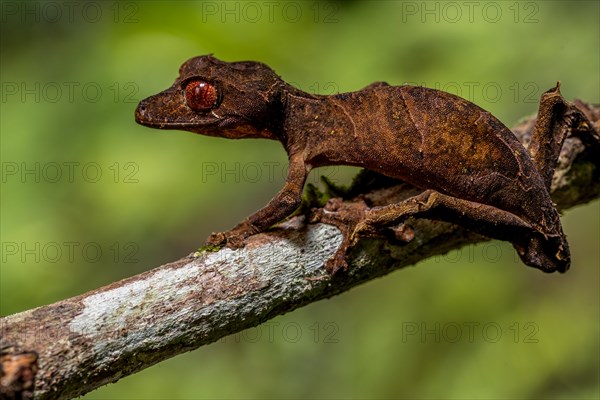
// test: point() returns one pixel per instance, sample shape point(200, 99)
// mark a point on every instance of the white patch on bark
point(118, 320)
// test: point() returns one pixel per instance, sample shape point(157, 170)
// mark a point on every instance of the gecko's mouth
point(144, 117)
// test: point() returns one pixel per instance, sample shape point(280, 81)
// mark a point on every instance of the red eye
point(201, 95)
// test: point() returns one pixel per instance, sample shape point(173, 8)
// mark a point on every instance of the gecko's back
point(450, 145)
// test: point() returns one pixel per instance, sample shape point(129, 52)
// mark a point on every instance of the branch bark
point(69, 348)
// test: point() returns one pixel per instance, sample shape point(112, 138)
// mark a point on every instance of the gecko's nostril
point(140, 113)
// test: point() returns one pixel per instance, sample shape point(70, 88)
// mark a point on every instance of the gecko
point(472, 169)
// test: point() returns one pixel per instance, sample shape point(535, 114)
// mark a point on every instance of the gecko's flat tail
point(546, 254)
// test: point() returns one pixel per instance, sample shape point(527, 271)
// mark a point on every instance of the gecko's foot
point(231, 239)
point(216, 239)
point(234, 238)
point(353, 219)
point(226, 239)
point(347, 218)
point(352, 231)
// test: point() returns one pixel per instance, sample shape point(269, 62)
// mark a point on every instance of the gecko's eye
point(201, 95)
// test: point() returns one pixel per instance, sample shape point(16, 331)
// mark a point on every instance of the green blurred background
point(89, 197)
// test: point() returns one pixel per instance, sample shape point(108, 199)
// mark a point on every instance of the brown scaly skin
point(473, 170)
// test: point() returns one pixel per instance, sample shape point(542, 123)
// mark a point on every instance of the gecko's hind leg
point(536, 249)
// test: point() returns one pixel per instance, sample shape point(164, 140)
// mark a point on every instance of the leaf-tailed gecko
point(472, 169)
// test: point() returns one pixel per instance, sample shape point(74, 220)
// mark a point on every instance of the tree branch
point(76, 345)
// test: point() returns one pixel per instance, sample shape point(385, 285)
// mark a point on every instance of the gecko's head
point(217, 98)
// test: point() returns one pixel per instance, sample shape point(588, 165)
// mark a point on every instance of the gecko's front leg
point(285, 202)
